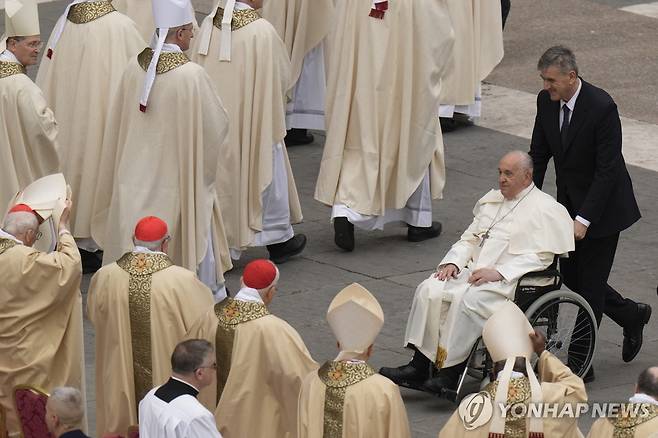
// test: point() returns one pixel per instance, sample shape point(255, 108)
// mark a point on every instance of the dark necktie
point(565, 125)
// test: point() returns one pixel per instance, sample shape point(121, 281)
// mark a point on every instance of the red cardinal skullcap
point(260, 274)
point(25, 208)
point(150, 229)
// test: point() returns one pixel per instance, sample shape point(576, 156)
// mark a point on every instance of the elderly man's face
point(26, 50)
point(512, 177)
point(558, 84)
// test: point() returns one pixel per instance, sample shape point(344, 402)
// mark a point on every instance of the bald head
point(647, 382)
point(22, 225)
point(64, 410)
point(514, 173)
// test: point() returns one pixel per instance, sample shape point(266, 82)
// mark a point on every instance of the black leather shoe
point(281, 252)
point(91, 261)
point(343, 233)
point(448, 124)
point(446, 379)
point(589, 375)
point(418, 234)
point(298, 137)
point(633, 335)
point(406, 375)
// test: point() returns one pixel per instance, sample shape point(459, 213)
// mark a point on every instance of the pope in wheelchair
point(515, 230)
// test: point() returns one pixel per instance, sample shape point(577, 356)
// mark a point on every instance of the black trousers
point(505, 6)
point(586, 272)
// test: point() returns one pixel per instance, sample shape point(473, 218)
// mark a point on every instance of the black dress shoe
point(633, 335)
point(448, 124)
point(447, 379)
point(406, 375)
point(298, 137)
point(418, 234)
point(281, 252)
point(589, 375)
point(343, 233)
point(91, 261)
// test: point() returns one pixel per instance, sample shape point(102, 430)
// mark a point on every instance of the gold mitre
point(356, 318)
point(506, 333)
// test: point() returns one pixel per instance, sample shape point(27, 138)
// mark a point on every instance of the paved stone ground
point(617, 51)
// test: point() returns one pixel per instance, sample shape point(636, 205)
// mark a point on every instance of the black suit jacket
point(591, 175)
point(74, 434)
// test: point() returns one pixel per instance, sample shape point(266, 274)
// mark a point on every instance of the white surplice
point(306, 109)
point(447, 317)
point(183, 417)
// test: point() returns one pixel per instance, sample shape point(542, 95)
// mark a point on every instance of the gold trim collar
point(167, 62)
point(6, 244)
point(85, 12)
point(11, 68)
point(143, 263)
point(240, 19)
point(342, 374)
point(235, 312)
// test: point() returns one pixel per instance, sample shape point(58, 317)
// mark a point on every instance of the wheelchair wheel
point(568, 322)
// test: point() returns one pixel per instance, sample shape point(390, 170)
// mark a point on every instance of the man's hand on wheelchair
point(484, 275)
point(538, 342)
point(446, 272)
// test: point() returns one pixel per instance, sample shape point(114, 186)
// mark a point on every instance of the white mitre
point(47, 197)
point(206, 30)
point(21, 19)
point(356, 318)
point(506, 335)
point(166, 14)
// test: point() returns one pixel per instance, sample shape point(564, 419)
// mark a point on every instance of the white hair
point(66, 403)
point(20, 222)
point(525, 160)
point(155, 245)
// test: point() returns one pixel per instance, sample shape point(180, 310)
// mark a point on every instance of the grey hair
point(172, 31)
point(18, 39)
point(67, 404)
point(647, 382)
point(20, 222)
point(558, 56)
point(525, 160)
point(156, 245)
point(189, 355)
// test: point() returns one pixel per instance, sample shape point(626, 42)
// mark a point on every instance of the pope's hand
point(538, 342)
point(66, 214)
point(579, 230)
point(484, 275)
point(446, 272)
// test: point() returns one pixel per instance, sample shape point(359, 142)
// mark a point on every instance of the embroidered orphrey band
point(625, 424)
point(240, 18)
point(6, 244)
point(86, 12)
point(167, 61)
point(337, 377)
point(11, 68)
point(517, 392)
point(141, 267)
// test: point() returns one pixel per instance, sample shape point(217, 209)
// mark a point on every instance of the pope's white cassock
point(478, 50)
point(90, 47)
point(28, 130)
point(141, 307)
point(514, 237)
point(160, 158)
point(303, 26)
point(383, 156)
point(182, 417)
point(248, 64)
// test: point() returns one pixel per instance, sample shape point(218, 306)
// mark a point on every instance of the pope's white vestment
point(524, 235)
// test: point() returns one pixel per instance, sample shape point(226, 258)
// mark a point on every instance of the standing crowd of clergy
point(155, 147)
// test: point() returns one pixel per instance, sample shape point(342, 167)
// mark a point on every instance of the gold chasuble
point(28, 133)
point(252, 86)
point(348, 399)
point(41, 340)
point(163, 162)
point(92, 53)
point(141, 307)
point(383, 84)
point(301, 24)
point(635, 421)
point(261, 361)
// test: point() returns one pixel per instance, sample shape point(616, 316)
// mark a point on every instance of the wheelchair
point(563, 316)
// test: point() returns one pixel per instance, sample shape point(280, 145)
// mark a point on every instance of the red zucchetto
point(260, 274)
point(150, 229)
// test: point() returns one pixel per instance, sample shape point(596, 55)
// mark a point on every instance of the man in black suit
point(64, 413)
point(578, 125)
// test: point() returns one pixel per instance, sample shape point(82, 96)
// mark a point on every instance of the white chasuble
point(514, 237)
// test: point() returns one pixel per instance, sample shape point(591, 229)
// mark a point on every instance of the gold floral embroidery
point(240, 18)
point(6, 244)
point(441, 356)
point(631, 417)
point(517, 392)
point(337, 377)
point(85, 12)
point(229, 314)
point(141, 267)
point(167, 61)
point(11, 68)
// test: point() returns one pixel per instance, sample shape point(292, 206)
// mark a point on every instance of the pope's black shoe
point(281, 252)
point(633, 335)
point(298, 137)
point(343, 233)
point(447, 379)
point(91, 261)
point(406, 375)
point(418, 234)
